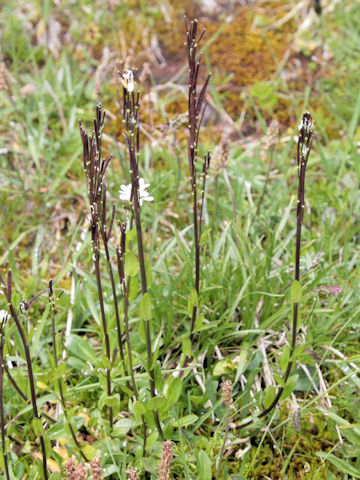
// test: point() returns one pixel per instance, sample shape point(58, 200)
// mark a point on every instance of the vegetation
point(179, 276)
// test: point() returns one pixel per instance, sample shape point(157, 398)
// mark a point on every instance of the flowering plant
point(126, 192)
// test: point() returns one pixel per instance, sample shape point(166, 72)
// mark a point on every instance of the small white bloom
point(304, 150)
point(125, 192)
point(127, 79)
point(23, 306)
point(4, 316)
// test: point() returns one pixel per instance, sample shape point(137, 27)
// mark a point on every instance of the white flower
point(127, 79)
point(125, 192)
point(4, 316)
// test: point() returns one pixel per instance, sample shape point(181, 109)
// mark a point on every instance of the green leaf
point(157, 403)
point(205, 235)
point(296, 292)
point(192, 301)
point(133, 288)
point(47, 443)
point(289, 387)
point(151, 439)
point(37, 426)
point(122, 427)
point(269, 396)
point(284, 358)
point(159, 382)
point(145, 309)
point(112, 401)
point(194, 297)
point(105, 362)
point(279, 380)
point(131, 264)
point(186, 346)
point(204, 466)
point(242, 360)
point(350, 430)
point(101, 401)
point(139, 409)
point(57, 431)
point(55, 476)
point(61, 370)
point(174, 390)
point(148, 273)
point(223, 367)
point(187, 420)
point(80, 348)
point(142, 331)
point(340, 464)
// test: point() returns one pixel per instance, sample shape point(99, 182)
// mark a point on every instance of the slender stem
point(29, 367)
point(227, 427)
point(95, 167)
point(120, 255)
point(132, 138)
point(2, 418)
point(59, 380)
point(303, 151)
point(15, 385)
point(127, 333)
point(105, 331)
point(195, 116)
point(125, 287)
point(147, 322)
point(113, 288)
point(197, 254)
point(23, 396)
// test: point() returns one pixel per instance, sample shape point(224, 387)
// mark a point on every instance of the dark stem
point(197, 255)
point(29, 367)
point(113, 288)
point(95, 167)
point(59, 380)
point(125, 287)
point(303, 151)
point(147, 322)
point(22, 394)
point(125, 283)
point(132, 138)
point(105, 331)
point(195, 116)
point(2, 418)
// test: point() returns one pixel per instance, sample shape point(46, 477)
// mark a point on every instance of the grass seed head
point(132, 474)
point(226, 393)
point(165, 461)
point(96, 470)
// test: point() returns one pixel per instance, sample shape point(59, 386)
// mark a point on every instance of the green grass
point(247, 262)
